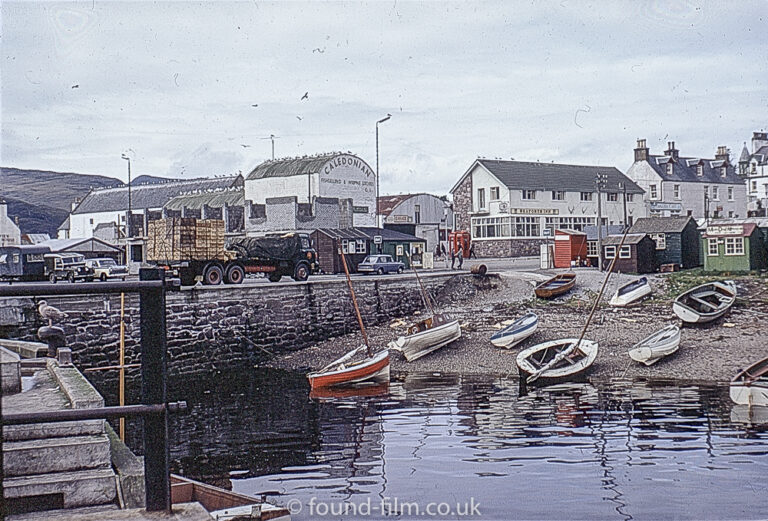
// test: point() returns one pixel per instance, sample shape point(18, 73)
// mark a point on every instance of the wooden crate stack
point(182, 238)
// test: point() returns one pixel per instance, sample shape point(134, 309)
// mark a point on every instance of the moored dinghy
point(706, 302)
point(556, 360)
point(631, 292)
point(750, 386)
point(656, 346)
point(426, 336)
point(555, 286)
point(516, 332)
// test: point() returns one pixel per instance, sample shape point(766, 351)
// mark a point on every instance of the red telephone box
point(463, 239)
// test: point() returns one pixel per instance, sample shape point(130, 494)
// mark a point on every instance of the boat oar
point(535, 376)
point(354, 303)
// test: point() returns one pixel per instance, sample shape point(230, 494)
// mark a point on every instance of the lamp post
point(376, 202)
point(600, 180)
point(623, 188)
point(128, 223)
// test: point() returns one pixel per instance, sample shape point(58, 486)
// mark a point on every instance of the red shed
point(570, 245)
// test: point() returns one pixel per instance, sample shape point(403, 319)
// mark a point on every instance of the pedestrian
point(437, 251)
point(453, 257)
point(472, 251)
point(442, 247)
point(460, 255)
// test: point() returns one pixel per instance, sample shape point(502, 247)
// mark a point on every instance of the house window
point(670, 168)
point(699, 170)
point(723, 171)
point(586, 196)
point(612, 196)
point(481, 198)
point(91, 222)
point(654, 191)
point(730, 213)
point(629, 197)
point(350, 246)
point(712, 247)
point(660, 239)
point(730, 193)
point(676, 192)
point(494, 193)
point(754, 186)
point(558, 195)
point(610, 252)
point(734, 245)
point(591, 248)
point(505, 227)
point(715, 193)
point(625, 252)
point(529, 194)
point(754, 168)
point(417, 213)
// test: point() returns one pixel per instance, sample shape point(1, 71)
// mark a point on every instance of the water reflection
point(614, 450)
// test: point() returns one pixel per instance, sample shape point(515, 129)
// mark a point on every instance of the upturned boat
point(631, 292)
point(516, 332)
point(556, 360)
point(706, 302)
point(555, 286)
point(426, 336)
point(750, 386)
point(656, 346)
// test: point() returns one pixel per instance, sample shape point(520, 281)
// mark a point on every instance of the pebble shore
point(713, 352)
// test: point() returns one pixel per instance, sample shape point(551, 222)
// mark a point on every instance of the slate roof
point(214, 199)
point(65, 224)
point(368, 233)
point(744, 157)
point(661, 224)
point(684, 169)
point(520, 175)
point(153, 196)
point(632, 238)
point(607, 229)
point(761, 154)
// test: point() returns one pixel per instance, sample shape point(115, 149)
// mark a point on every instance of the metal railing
point(151, 287)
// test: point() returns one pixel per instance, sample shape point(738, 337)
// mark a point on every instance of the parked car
point(106, 268)
point(69, 266)
point(380, 264)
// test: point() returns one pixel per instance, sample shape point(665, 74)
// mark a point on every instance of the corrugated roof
point(519, 175)
point(214, 199)
point(292, 166)
point(661, 224)
point(153, 196)
point(632, 238)
point(685, 169)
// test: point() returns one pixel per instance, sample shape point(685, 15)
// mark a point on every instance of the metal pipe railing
point(96, 413)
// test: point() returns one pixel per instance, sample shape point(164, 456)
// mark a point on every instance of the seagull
point(76, 86)
point(245, 146)
point(305, 96)
point(49, 313)
point(299, 118)
point(255, 105)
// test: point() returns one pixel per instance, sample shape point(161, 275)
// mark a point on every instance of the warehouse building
point(423, 215)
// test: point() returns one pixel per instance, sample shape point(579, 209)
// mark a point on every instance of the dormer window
point(669, 168)
point(723, 171)
point(699, 170)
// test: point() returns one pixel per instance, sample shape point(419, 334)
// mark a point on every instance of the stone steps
point(44, 456)
point(33, 431)
point(79, 488)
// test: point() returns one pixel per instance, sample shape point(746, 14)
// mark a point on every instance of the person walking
point(472, 251)
point(453, 256)
point(460, 255)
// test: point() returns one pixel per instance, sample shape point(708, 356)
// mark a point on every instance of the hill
point(42, 199)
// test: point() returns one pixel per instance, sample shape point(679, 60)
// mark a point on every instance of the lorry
point(197, 249)
point(31, 262)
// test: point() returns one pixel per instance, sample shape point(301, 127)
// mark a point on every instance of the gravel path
point(713, 352)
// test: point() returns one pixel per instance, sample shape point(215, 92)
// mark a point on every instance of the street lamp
point(128, 223)
point(376, 202)
point(600, 181)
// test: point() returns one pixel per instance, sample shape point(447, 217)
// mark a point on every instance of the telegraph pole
point(623, 186)
point(600, 180)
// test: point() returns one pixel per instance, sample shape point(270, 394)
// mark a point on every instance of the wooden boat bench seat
point(703, 302)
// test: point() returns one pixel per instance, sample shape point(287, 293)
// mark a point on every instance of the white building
point(753, 167)
point(510, 208)
point(10, 235)
point(422, 215)
point(679, 186)
point(335, 175)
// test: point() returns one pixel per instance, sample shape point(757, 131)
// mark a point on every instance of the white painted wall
point(757, 184)
point(10, 235)
point(83, 224)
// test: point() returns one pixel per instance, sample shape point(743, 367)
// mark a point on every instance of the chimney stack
point(641, 152)
point(722, 154)
point(75, 203)
point(759, 140)
point(671, 150)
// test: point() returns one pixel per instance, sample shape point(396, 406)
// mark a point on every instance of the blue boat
point(516, 332)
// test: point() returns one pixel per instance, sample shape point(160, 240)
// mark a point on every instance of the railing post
point(153, 391)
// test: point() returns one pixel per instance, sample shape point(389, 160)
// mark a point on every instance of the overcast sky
point(196, 89)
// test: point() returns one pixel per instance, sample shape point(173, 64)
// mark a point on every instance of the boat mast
point(424, 295)
point(354, 303)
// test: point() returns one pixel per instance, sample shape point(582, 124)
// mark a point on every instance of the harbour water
point(430, 445)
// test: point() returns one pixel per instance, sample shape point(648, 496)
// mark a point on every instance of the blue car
point(380, 264)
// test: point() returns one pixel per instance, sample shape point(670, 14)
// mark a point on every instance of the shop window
point(734, 245)
point(712, 250)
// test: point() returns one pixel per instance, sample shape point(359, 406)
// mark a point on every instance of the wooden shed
point(677, 239)
point(570, 245)
point(637, 255)
point(734, 247)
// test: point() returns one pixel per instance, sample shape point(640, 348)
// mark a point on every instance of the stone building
point(511, 207)
point(334, 175)
point(423, 215)
point(288, 214)
point(678, 186)
point(753, 167)
point(227, 204)
point(10, 235)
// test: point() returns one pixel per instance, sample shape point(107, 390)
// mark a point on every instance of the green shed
point(734, 247)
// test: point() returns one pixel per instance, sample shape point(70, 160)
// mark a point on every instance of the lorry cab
point(69, 266)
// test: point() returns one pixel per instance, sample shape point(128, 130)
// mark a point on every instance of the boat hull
point(656, 346)
point(620, 299)
point(750, 386)
point(555, 286)
point(374, 368)
point(516, 332)
point(691, 306)
point(424, 342)
point(565, 371)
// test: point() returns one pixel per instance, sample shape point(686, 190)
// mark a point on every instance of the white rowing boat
point(631, 292)
point(656, 346)
point(516, 332)
point(750, 386)
point(556, 360)
point(426, 336)
point(705, 303)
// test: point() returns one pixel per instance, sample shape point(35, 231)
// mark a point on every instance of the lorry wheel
point(274, 277)
point(52, 278)
point(301, 273)
point(71, 277)
point(235, 274)
point(103, 277)
point(213, 275)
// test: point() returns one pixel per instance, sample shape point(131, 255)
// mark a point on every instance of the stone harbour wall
point(220, 328)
